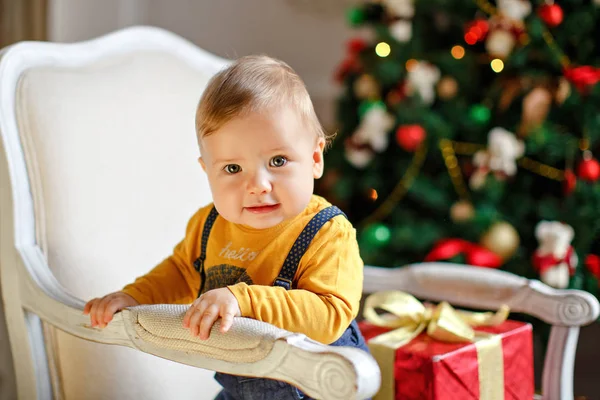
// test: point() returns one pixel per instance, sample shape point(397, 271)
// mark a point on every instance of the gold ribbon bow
point(408, 318)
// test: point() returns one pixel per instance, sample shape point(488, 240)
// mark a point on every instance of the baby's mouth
point(263, 208)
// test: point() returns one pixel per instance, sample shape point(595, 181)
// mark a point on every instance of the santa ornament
point(555, 258)
point(500, 157)
point(422, 78)
point(370, 137)
point(402, 11)
point(506, 27)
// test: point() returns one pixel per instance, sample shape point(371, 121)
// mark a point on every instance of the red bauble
point(410, 137)
point(348, 66)
point(356, 45)
point(589, 170)
point(569, 182)
point(551, 14)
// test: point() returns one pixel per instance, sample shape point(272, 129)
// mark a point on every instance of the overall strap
point(199, 263)
point(290, 265)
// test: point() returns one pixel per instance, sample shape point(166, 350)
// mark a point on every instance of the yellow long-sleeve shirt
point(327, 284)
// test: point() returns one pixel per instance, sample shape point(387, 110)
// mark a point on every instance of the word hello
point(243, 254)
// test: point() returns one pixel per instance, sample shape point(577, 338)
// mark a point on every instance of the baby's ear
point(318, 162)
point(201, 161)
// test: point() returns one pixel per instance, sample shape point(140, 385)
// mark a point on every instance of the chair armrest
point(485, 288)
point(257, 349)
point(251, 348)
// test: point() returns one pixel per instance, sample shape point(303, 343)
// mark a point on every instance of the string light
point(470, 38)
point(453, 168)
point(458, 52)
point(382, 233)
point(383, 49)
point(373, 195)
point(411, 64)
point(536, 167)
point(497, 65)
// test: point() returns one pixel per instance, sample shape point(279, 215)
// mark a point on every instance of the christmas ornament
point(506, 27)
point(592, 263)
point(447, 88)
point(400, 8)
point(502, 238)
point(357, 154)
point(462, 211)
point(551, 14)
point(347, 67)
point(570, 182)
point(367, 105)
point(480, 114)
point(500, 157)
point(516, 10)
point(356, 45)
point(500, 43)
point(401, 30)
point(536, 106)
point(377, 235)
point(366, 87)
point(589, 168)
point(355, 16)
point(373, 129)
point(554, 259)
point(410, 137)
point(474, 254)
point(422, 79)
point(582, 77)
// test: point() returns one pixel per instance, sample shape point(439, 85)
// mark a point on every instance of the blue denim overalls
point(246, 388)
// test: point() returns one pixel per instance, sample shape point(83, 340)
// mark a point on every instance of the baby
point(267, 248)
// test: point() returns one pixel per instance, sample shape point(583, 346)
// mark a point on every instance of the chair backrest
point(102, 158)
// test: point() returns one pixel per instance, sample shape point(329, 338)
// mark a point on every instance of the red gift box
point(429, 369)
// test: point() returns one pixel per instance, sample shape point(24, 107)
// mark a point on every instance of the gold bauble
point(502, 238)
point(366, 87)
point(447, 88)
point(462, 211)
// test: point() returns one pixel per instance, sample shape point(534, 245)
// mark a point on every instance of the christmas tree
point(468, 132)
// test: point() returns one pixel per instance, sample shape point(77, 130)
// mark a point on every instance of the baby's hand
point(101, 311)
point(213, 304)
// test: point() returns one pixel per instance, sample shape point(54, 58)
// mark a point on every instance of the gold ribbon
point(408, 318)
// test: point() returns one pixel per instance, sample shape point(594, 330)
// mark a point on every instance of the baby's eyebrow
point(282, 149)
point(224, 161)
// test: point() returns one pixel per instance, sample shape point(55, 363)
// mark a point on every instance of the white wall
point(309, 35)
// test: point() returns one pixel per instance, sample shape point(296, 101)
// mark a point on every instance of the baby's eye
point(278, 161)
point(232, 168)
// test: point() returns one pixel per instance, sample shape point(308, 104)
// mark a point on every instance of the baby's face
point(261, 167)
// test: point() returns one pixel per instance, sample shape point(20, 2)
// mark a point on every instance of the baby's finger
point(226, 321)
point(189, 312)
point(102, 311)
point(194, 324)
point(94, 312)
point(209, 317)
point(112, 307)
point(88, 306)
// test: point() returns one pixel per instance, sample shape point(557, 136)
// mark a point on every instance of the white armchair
point(98, 178)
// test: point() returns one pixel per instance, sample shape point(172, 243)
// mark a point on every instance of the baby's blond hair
point(253, 83)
